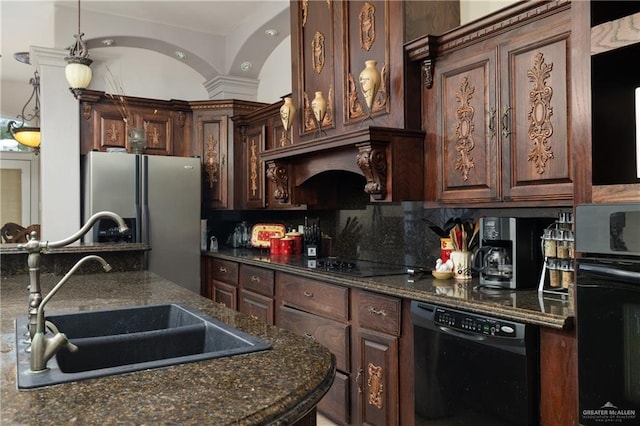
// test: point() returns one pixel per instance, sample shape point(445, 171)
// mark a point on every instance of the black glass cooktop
point(359, 268)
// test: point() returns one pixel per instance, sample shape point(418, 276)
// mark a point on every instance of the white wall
point(275, 75)
point(473, 9)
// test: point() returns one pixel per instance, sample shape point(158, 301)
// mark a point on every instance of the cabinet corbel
point(372, 160)
point(278, 173)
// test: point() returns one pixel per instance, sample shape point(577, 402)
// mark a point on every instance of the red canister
point(286, 246)
point(297, 241)
point(275, 245)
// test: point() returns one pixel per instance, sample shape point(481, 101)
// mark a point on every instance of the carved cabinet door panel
point(109, 130)
point(534, 112)
point(468, 158)
point(158, 127)
point(377, 379)
point(253, 167)
point(212, 142)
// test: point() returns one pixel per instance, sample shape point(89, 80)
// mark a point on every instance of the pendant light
point(77, 70)
point(25, 135)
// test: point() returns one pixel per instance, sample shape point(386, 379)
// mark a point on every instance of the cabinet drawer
point(377, 312)
point(332, 334)
point(335, 404)
point(258, 280)
point(225, 271)
point(330, 301)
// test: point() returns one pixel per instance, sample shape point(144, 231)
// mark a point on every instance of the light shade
point(29, 136)
point(78, 75)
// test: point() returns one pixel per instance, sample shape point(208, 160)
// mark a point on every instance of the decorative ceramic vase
point(319, 107)
point(370, 80)
point(287, 113)
point(137, 139)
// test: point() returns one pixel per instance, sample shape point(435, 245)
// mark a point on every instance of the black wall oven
point(608, 313)
point(473, 369)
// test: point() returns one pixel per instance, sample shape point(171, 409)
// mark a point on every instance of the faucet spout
point(42, 347)
point(122, 227)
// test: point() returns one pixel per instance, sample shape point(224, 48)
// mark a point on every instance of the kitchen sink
point(132, 339)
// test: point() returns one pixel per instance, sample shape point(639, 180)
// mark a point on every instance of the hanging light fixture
point(25, 135)
point(77, 70)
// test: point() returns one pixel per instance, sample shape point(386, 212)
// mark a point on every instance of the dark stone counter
point(527, 306)
point(277, 386)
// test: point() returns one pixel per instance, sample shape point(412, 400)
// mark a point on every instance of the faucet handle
point(71, 347)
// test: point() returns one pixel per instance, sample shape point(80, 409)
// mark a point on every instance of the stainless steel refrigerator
point(159, 197)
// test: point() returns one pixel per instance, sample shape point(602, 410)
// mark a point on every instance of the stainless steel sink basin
point(131, 339)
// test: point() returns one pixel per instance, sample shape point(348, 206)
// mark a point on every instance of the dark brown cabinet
point(496, 101)
point(220, 149)
point(257, 290)
point(167, 124)
point(223, 283)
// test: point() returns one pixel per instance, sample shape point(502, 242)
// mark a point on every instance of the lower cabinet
point(256, 293)
point(223, 283)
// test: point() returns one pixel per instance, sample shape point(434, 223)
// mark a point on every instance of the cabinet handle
point(505, 121)
point(375, 311)
point(254, 317)
point(222, 160)
point(255, 279)
point(492, 122)
point(223, 269)
point(309, 336)
point(358, 377)
point(308, 294)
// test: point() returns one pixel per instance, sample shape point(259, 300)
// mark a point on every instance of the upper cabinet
point(216, 143)
point(349, 119)
point(496, 108)
point(167, 124)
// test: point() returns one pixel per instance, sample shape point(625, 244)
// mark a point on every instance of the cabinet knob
point(308, 294)
point(222, 269)
point(255, 279)
point(309, 336)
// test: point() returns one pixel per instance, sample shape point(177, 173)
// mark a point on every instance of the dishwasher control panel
point(474, 323)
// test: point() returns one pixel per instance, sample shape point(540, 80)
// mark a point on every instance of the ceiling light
point(77, 70)
point(271, 32)
point(246, 66)
point(28, 136)
point(108, 42)
point(180, 55)
point(22, 57)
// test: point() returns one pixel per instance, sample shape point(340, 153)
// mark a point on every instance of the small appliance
point(509, 255)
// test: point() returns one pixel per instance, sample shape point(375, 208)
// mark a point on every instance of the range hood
point(391, 160)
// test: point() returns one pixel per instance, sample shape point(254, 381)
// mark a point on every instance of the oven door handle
point(462, 334)
point(609, 272)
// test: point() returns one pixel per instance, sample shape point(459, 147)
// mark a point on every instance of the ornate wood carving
point(372, 160)
point(540, 112)
point(309, 119)
point(153, 136)
point(355, 107)
point(86, 110)
point(427, 73)
point(367, 18)
point(465, 129)
point(253, 167)
point(112, 133)
point(317, 49)
point(305, 11)
point(278, 174)
point(211, 165)
point(376, 386)
point(182, 118)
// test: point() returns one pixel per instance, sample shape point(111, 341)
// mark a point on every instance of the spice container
point(555, 275)
point(550, 242)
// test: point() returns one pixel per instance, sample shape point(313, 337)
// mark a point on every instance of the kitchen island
point(277, 386)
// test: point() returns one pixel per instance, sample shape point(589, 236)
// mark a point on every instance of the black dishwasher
point(473, 369)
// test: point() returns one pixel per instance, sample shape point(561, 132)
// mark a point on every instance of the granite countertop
point(527, 306)
point(277, 386)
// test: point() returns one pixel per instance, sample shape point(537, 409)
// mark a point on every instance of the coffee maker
point(510, 255)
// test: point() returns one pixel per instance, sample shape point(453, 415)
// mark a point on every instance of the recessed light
point(246, 66)
point(108, 42)
point(180, 55)
point(271, 32)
